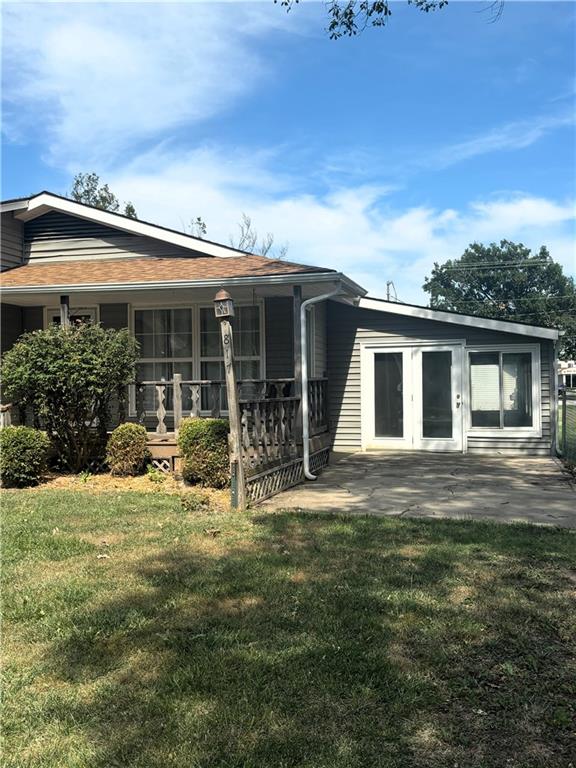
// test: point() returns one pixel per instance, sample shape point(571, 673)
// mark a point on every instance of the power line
point(534, 299)
point(495, 265)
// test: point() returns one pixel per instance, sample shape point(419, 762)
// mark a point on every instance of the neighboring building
point(567, 374)
point(386, 375)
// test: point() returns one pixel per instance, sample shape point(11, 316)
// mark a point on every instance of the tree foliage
point(507, 282)
point(347, 18)
point(248, 240)
point(68, 376)
point(87, 189)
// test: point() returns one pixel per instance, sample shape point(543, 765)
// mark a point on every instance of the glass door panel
point(437, 394)
point(388, 395)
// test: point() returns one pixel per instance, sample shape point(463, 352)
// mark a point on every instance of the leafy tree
point(509, 283)
point(87, 189)
point(347, 18)
point(68, 376)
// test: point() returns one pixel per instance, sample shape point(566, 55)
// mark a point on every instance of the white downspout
point(304, 352)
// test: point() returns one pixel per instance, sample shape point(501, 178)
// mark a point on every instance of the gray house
point(367, 374)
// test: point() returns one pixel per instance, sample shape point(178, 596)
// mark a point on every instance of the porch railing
point(267, 405)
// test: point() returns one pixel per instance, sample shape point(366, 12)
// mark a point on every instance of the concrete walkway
point(534, 490)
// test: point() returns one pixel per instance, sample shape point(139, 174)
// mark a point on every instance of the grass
point(137, 634)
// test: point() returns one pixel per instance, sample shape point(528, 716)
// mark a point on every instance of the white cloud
point(358, 230)
point(94, 80)
point(512, 136)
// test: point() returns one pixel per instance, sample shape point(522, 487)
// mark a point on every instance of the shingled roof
point(153, 270)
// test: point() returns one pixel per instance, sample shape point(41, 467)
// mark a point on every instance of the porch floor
point(526, 489)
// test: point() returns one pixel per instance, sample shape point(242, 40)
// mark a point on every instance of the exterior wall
point(320, 342)
point(16, 321)
point(32, 318)
point(11, 325)
point(279, 337)
point(12, 242)
point(57, 236)
point(114, 316)
point(350, 326)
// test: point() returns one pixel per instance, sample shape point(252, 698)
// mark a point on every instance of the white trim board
point(505, 326)
point(46, 202)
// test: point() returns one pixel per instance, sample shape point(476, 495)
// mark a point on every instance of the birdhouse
point(223, 304)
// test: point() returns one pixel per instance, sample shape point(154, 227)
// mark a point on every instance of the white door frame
point(369, 439)
point(412, 395)
point(456, 442)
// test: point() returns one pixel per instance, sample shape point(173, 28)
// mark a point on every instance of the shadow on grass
point(333, 642)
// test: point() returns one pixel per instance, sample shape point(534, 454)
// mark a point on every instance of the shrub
point(155, 475)
point(127, 452)
point(23, 455)
point(203, 444)
point(68, 376)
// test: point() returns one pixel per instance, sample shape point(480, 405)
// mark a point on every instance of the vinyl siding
point(11, 325)
point(32, 318)
point(12, 243)
point(320, 343)
point(279, 337)
point(57, 236)
point(351, 326)
point(114, 315)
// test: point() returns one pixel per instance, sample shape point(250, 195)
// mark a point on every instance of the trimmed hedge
point(23, 456)
point(203, 444)
point(127, 451)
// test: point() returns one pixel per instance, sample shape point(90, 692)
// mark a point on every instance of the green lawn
point(135, 634)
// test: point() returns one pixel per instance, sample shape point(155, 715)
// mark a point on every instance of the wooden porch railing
point(182, 397)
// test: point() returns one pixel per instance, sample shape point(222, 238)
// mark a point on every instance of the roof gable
point(44, 203)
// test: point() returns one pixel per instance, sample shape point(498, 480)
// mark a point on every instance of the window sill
point(505, 432)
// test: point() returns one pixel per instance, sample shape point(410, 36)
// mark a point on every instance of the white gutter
point(304, 352)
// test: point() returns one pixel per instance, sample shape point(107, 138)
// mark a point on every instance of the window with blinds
point(501, 389)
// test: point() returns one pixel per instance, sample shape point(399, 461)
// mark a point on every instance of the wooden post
point(177, 401)
point(297, 362)
point(224, 309)
point(64, 311)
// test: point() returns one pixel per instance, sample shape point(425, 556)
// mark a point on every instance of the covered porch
point(180, 370)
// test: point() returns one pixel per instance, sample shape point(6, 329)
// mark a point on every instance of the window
point(501, 390)
point(76, 316)
point(165, 338)
point(246, 326)
point(171, 341)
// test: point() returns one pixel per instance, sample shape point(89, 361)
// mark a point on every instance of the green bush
point(68, 376)
point(127, 452)
point(23, 456)
point(203, 444)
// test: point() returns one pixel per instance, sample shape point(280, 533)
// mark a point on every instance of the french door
point(412, 397)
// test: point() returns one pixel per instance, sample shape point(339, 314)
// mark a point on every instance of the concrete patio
point(526, 489)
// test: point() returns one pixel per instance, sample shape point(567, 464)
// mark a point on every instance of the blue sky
point(377, 155)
